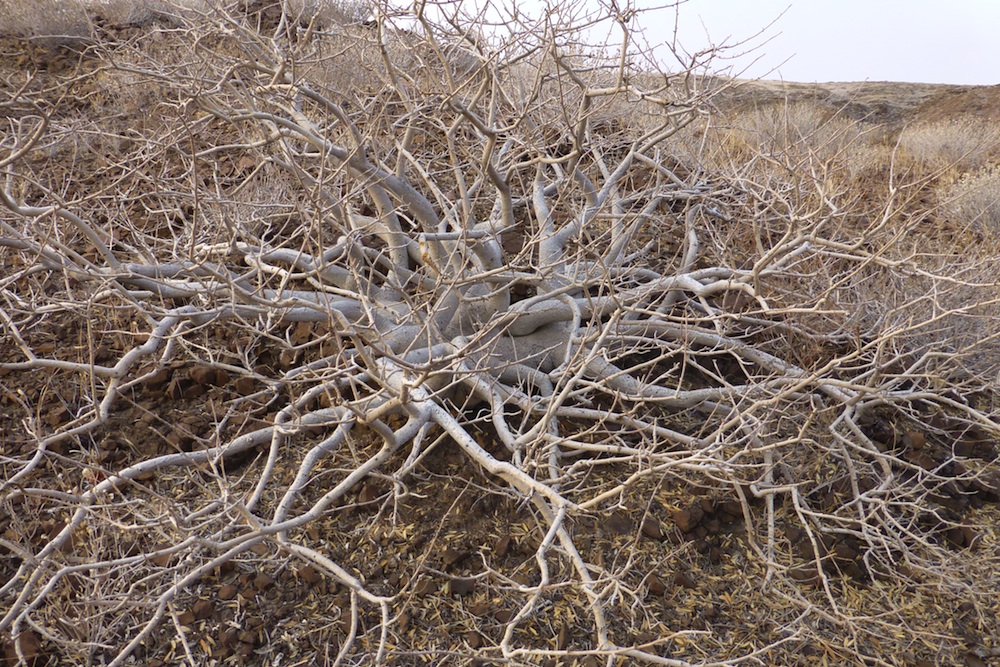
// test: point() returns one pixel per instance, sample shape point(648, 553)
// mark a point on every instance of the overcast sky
point(929, 41)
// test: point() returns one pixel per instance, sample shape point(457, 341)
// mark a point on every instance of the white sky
point(928, 41)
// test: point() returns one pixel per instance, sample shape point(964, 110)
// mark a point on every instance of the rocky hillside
point(889, 103)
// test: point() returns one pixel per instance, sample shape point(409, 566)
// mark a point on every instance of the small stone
point(159, 379)
point(452, 557)
point(688, 519)
point(686, 580)
point(194, 391)
point(175, 389)
point(245, 386)
point(161, 560)
point(914, 440)
point(203, 609)
point(656, 587)
point(301, 333)
point(479, 608)
point(186, 618)
point(369, 493)
point(262, 581)
point(473, 639)
point(732, 508)
point(30, 644)
point(425, 587)
point(921, 458)
point(651, 528)
point(461, 585)
point(59, 414)
point(806, 573)
point(502, 546)
point(227, 592)
point(973, 660)
point(229, 637)
point(617, 524)
point(202, 374)
point(309, 574)
point(562, 638)
point(503, 616)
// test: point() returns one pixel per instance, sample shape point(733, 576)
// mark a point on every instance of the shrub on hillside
point(974, 200)
point(964, 143)
point(784, 142)
point(52, 22)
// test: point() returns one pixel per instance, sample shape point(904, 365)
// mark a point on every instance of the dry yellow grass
point(974, 201)
point(962, 143)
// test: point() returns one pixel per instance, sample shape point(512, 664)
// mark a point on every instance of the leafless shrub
point(962, 143)
point(974, 201)
point(785, 143)
point(292, 287)
point(55, 22)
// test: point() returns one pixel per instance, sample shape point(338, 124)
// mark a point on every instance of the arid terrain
point(878, 102)
point(750, 554)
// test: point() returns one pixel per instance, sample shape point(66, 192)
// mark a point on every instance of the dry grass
point(785, 143)
point(49, 20)
point(801, 157)
point(962, 143)
point(54, 22)
point(974, 201)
